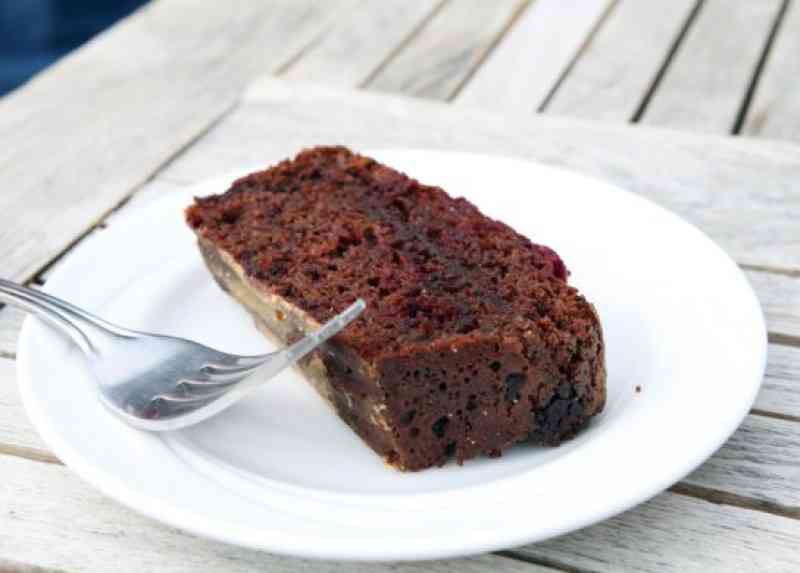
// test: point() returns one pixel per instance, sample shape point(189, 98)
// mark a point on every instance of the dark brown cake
point(472, 339)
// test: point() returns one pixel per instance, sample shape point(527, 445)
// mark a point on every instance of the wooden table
point(184, 90)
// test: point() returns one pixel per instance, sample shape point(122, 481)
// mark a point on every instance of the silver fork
point(156, 382)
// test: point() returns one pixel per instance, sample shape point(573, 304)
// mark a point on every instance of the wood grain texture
point(775, 109)
point(760, 461)
point(750, 182)
point(11, 319)
point(780, 393)
point(782, 305)
point(151, 191)
point(677, 533)
point(441, 56)
point(614, 72)
point(705, 84)
point(17, 435)
point(357, 44)
point(52, 519)
point(529, 61)
point(78, 138)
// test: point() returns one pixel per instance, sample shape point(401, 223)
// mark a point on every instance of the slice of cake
point(471, 341)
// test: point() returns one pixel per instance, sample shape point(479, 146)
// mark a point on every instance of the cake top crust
point(330, 226)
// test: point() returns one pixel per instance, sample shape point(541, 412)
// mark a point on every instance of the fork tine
point(305, 345)
point(295, 352)
point(224, 388)
point(212, 381)
point(192, 394)
point(241, 363)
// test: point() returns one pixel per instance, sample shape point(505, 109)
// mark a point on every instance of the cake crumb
point(638, 389)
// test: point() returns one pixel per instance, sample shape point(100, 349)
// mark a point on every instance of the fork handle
point(73, 321)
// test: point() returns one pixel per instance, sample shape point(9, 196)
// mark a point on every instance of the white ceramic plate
point(280, 472)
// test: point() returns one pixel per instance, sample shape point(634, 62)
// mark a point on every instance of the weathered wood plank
point(528, 63)
point(775, 109)
point(677, 533)
point(52, 519)
point(442, 55)
point(355, 47)
point(750, 182)
point(782, 305)
point(780, 393)
point(11, 318)
point(78, 138)
point(17, 435)
point(614, 72)
point(706, 83)
point(149, 192)
point(760, 461)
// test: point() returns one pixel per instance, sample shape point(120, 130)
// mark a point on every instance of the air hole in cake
point(407, 418)
point(402, 209)
point(370, 237)
point(440, 427)
point(514, 383)
point(230, 216)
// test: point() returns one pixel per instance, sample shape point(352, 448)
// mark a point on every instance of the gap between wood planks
point(100, 222)
point(776, 415)
point(662, 70)
point(511, 554)
point(720, 497)
point(11, 566)
point(741, 115)
point(314, 41)
point(568, 68)
point(793, 273)
point(33, 454)
point(402, 45)
point(752, 85)
point(515, 17)
point(783, 339)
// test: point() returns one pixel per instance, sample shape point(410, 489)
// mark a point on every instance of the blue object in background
point(35, 33)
